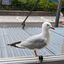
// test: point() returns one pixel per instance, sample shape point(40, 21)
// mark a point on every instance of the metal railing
point(31, 60)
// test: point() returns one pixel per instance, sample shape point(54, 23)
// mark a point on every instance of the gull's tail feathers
point(14, 44)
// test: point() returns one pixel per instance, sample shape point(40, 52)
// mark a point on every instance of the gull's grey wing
point(34, 43)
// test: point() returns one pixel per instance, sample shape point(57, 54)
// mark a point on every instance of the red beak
point(52, 28)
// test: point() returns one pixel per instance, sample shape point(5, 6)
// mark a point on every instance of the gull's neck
point(45, 32)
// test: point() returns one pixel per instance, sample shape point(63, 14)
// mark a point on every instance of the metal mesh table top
point(13, 34)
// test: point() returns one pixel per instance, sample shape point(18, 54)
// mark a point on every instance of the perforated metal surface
point(13, 34)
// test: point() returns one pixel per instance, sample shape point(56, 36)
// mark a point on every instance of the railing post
point(58, 13)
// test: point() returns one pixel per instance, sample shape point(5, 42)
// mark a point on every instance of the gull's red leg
point(35, 52)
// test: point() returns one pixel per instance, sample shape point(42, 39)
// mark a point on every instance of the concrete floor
point(30, 19)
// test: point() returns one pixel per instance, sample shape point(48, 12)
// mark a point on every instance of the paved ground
point(30, 19)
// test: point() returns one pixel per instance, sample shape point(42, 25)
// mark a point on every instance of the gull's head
point(47, 25)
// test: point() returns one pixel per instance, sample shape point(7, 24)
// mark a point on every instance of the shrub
point(43, 5)
point(52, 6)
point(16, 4)
point(47, 6)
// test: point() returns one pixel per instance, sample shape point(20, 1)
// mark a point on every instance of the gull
point(37, 41)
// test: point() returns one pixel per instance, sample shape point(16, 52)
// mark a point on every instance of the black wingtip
point(17, 42)
point(14, 44)
point(11, 45)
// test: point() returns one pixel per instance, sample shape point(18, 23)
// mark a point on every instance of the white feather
point(37, 41)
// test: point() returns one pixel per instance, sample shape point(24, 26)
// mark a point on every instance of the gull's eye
point(48, 25)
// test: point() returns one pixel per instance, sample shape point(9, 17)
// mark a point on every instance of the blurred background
point(25, 5)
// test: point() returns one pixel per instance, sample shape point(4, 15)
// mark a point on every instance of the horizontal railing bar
point(31, 59)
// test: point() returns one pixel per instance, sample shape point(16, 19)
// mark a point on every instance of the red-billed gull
point(37, 41)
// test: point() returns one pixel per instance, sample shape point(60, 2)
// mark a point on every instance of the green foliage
point(29, 4)
point(17, 4)
point(63, 3)
point(62, 6)
point(23, 4)
point(52, 6)
point(43, 5)
point(47, 6)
